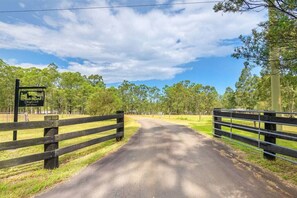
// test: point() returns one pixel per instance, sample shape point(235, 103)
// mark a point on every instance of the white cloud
point(116, 71)
point(22, 5)
point(161, 1)
point(126, 44)
point(24, 65)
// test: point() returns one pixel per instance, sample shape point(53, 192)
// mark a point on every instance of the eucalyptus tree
point(274, 46)
point(104, 101)
point(246, 86)
point(72, 84)
point(126, 90)
point(209, 98)
point(286, 7)
point(229, 99)
point(154, 98)
point(197, 99)
point(95, 80)
point(8, 75)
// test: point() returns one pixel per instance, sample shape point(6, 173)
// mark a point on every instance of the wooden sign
point(31, 98)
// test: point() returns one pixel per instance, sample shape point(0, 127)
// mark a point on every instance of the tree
point(177, 98)
point(273, 48)
point(196, 93)
point(96, 80)
point(127, 95)
point(8, 75)
point(189, 98)
point(154, 99)
point(263, 92)
point(229, 100)
point(103, 101)
point(245, 94)
point(209, 98)
point(59, 102)
point(71, 83)
point(289, 93)
point(50, 76)
point(286, 7)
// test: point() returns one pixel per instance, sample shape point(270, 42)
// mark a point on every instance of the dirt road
point(167, 160)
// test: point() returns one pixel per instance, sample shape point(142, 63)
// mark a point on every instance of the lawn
point(27, 180)
point(285, 170)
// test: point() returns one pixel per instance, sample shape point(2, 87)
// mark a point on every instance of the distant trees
point(71, 92)
point(189, 98)
point(245, 95)
point(229, 99)
point(103, 101)
point(253, 92)
point(139, 99)
point(66, 92)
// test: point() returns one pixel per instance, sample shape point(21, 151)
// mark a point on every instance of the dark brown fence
point(267, 125)
point(52, 138)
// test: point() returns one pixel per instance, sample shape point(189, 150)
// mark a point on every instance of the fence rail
point(265, 126)
point(52, 138)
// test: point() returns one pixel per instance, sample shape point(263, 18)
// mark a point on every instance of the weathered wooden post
point(271, 127)
point(120, 130)
point(53, 162)
point(215, 125)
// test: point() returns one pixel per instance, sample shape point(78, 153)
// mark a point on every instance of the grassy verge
point(285, 170)
point(27, 180)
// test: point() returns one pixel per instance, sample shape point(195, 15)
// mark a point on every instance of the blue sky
point(152, 45)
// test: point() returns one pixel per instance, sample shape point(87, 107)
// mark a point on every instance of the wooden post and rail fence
point(51, 138)
point(240, 124)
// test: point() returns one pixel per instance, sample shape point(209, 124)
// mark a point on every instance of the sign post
point(27, 97)
point(16, 105)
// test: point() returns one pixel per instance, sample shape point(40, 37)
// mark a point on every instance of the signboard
point(31, 98)
point(26, 97)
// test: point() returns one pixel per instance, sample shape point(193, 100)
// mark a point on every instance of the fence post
point(16, 107)
point(120, 130)
point(268, 138)
point(53, 162)
point(216, 126)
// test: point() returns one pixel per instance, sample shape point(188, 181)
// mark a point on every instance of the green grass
point(27, 180)
point(284, 169)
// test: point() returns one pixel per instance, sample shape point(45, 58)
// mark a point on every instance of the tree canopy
point(287, 7)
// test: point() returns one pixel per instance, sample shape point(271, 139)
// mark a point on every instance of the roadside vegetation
point(29, 179)
point(287, 171)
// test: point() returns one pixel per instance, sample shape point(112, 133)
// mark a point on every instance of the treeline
point(70, 92)
point(254, 92)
